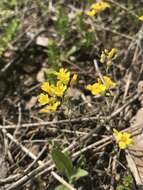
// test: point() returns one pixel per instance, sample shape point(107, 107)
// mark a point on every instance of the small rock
point(40, 75)
point(31, 103)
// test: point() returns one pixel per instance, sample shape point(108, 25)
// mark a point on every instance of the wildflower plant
point(104, 83)
point(64, 164)
point(52, 95)
point(123, 139)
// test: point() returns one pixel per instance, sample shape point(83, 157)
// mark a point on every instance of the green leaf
point(78, 174)
point(62, 162)
point(121, 187)
point(9, 34)
point(53, 54)
point(61, 187)
point(62, 22)
point(50, 76)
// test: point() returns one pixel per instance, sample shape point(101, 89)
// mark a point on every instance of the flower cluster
point(107, 56)
point(50, 98)
point(97, 8)
point(123, 138)
point(101, 86)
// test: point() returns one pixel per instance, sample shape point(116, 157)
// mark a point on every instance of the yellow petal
point(91, 13)
point(117, 135)
point(53, 107)
point(140, 18)
point(74, 79)
point(50, 107)
point(108, 82)
point(63, 75)
point(43, 99)
point(44, 110)
point(122, 145)
point(47, 88)
point(59, 89)
point(96, 88)
point(100, 6)
point(112, 53)
point(127, 138)
point(89, 87)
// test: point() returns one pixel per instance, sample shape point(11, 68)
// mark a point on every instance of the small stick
point(36, 160)
point(127, 86)
point(9, 179)
point(64, 121)
point(18, 124)
point(101, 77)
point(98, 71)
point(105, 141)
point(116, 112)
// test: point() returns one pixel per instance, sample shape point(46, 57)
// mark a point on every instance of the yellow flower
point(63, 76)
point(52, 90)
point(74, 79)
point(43, 99)
point(141, 18)
point(96, 88)
point(112, 53)
point(50, 107)
point(46, 87)
point(123, 138)
point(99, 87)
point(97, 8)
point(91, 12)
point(100, 6)
point(59, 89)
point(108, 82)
